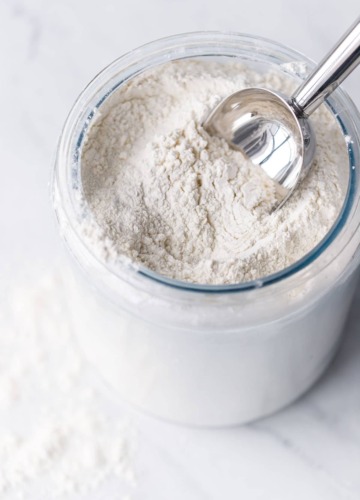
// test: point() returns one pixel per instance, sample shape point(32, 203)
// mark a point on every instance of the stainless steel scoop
point(272, 129)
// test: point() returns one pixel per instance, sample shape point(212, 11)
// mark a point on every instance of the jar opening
point(72, 130)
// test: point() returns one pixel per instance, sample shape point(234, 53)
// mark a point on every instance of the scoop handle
point(328, 75)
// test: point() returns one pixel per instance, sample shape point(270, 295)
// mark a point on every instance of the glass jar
point(208, 355)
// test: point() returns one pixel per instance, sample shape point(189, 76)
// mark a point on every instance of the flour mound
point(170, 197)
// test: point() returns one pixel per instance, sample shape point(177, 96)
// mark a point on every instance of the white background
point(49, 51)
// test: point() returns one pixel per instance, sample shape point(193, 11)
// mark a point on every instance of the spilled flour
point(170, 197)
point(60, 435)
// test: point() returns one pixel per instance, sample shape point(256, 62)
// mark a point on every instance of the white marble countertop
point(50, 50)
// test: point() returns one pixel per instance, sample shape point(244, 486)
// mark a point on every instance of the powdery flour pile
point(60, 435)
point(169, 197)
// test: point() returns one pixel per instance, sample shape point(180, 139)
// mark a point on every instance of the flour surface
point(168, 196)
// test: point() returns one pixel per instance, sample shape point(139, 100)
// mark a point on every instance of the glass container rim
point(282, 275)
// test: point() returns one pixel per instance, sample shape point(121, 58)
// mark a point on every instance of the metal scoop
point(272, 129)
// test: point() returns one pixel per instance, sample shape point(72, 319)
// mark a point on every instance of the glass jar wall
point(207, 355)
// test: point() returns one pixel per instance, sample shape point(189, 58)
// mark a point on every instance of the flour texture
point(169, 197)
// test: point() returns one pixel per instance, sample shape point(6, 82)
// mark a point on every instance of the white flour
point(168, 196)
point(59, 434)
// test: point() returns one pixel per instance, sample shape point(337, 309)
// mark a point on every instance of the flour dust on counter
point(60, 435)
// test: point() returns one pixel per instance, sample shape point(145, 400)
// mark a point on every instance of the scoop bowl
point(263, 125)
